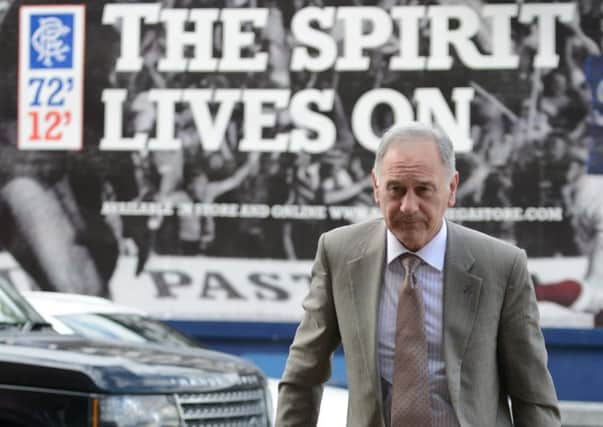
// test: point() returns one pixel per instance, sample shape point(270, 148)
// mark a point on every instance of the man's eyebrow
point(420, 182)
point(426, 183)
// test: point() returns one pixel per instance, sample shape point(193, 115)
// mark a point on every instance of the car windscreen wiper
point(28, 325)
point(32, 325)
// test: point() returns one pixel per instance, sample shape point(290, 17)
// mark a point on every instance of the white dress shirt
point(429, 275)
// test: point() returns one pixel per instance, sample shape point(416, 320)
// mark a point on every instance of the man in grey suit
point(479, 314)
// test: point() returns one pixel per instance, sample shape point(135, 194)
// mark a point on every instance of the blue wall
point(576, 363)
point(575, 355)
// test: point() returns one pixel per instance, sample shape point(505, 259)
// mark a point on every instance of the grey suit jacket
point(493, 346)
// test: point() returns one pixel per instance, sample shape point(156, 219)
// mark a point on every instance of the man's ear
point(454, 183)
point(375, 186)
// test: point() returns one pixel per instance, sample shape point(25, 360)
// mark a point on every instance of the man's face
point(413, 191)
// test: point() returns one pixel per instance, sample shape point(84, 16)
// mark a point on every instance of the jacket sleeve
point(309, 362)
point(522, 353)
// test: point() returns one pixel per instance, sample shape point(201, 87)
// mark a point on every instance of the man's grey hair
point(416, 131)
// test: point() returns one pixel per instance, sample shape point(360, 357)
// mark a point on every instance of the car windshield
point(125, 327)
point(10, 312)
point(15, 312)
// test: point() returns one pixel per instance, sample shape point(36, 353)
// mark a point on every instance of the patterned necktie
point(411, 401)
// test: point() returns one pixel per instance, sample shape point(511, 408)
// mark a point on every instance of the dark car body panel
point(52, 380)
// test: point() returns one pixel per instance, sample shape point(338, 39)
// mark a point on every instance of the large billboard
point(185, 156)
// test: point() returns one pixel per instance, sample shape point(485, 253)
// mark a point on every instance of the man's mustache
point(410, 218)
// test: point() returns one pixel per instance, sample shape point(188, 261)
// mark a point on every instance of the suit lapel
point(366, 279)
point(461, 299)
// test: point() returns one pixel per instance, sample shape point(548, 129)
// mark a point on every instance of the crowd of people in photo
point(531, 130)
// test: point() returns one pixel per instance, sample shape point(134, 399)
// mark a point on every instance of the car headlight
point(139, 411)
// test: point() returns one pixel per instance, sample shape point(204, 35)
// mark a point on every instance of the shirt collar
point(432, 253)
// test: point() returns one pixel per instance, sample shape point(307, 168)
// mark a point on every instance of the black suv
point(52, 380)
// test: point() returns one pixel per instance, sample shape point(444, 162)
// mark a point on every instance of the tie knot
point(410, 262)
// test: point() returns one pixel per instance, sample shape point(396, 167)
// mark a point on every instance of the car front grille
point(241, 406)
